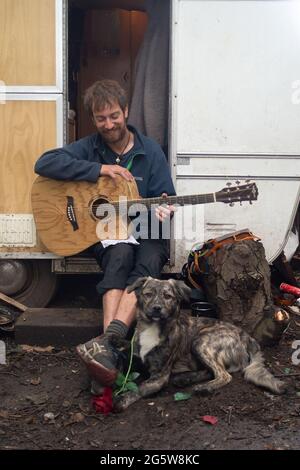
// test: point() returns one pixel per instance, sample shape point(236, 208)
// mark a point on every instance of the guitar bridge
point(71, 213)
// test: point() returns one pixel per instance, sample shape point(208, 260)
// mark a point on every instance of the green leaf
point(179, 396)
point(120, 379)
point(132, 387)
point(133, 376)
point(287, 370)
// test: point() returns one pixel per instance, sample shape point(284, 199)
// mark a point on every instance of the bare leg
point(118, 305)
point(127, 308)
point(111, 301)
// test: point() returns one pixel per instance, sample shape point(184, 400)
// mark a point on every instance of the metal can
point(290, 289)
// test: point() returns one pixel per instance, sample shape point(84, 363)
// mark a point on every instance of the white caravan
point(233, 113)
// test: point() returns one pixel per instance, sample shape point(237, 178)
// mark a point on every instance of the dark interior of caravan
point(123, 40)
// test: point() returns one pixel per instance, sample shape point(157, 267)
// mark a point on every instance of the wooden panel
point(28, 128)
point(138, 26)
point(27, 38)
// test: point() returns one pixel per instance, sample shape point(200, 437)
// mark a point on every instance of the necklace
point(120, 155)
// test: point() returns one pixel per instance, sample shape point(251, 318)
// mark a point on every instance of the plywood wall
point(27, 38)
point(28, 128)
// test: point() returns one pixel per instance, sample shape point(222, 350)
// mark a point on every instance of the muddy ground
point(36, 383)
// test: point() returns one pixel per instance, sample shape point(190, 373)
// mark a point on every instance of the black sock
point(118, 328)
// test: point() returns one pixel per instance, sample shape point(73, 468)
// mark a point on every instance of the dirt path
point(34, 384)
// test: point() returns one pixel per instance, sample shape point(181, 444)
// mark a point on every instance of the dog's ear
point(137, 285)
point(181, 289)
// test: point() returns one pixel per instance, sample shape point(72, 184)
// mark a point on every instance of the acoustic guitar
point(72, 216)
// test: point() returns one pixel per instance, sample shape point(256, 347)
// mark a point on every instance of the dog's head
point(159, 300)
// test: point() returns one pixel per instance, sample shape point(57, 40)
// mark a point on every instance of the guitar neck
point(179, 200)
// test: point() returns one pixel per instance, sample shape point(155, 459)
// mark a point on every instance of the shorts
point(123, 264)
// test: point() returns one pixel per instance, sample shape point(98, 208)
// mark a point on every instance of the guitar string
point(207, 198)
point(193, 199)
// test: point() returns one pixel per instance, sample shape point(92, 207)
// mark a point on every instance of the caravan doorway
point(123, 40)
point(127, 41)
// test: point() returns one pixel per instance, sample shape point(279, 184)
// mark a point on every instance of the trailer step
point(58, 326)
point(75, 265)
point(82, 265)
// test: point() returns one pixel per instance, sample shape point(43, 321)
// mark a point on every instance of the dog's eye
point(168, 296)
point(147, 295)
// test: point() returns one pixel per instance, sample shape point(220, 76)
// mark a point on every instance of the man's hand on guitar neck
point(113, 170)
point(164, 212)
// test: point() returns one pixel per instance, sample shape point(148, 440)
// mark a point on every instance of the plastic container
point(204, 309)
point(290, 289)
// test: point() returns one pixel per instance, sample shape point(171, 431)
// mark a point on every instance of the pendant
point(118, 160)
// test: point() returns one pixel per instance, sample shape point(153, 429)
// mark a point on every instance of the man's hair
point(103, 93)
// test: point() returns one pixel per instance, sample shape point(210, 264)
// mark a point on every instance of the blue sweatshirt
point(82, 160)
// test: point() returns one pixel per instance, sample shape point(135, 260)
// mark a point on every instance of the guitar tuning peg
point(231, 204)
point(237, 183)
point(247, 181)
point(228, 184)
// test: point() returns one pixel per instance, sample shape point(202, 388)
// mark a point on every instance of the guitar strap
point(129, 164)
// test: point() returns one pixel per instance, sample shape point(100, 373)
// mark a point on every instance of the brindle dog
point(174, 345)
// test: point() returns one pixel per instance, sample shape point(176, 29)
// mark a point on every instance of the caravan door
point(236, 116)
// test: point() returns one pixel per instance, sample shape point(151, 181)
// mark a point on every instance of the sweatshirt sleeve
point(71, 162)
point(160, 176)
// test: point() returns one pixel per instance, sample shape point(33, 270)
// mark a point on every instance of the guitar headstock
point(238, 193)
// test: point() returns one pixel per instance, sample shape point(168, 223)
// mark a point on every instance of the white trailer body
point(236, 114)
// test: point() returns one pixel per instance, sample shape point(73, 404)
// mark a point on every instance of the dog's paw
point(119, 405)
point(282, 388)
point(122, 402)
point(277, 387)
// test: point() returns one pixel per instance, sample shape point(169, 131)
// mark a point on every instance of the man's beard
point(114, 136)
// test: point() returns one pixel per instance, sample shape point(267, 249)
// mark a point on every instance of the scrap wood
point(30, 349)
point(287, 375)
point(13, 302)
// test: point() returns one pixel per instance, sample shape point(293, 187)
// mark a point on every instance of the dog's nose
point(156, 311)
point(156, 308)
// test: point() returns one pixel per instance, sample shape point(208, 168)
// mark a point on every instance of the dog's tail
point(256, 371)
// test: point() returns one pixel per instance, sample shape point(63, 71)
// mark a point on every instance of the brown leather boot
point(100, 358)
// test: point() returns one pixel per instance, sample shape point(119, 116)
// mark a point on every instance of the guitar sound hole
point(101, 209)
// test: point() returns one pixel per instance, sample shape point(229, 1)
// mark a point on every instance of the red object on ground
point(103, 403)
point(210, 419)
point(290, 289)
